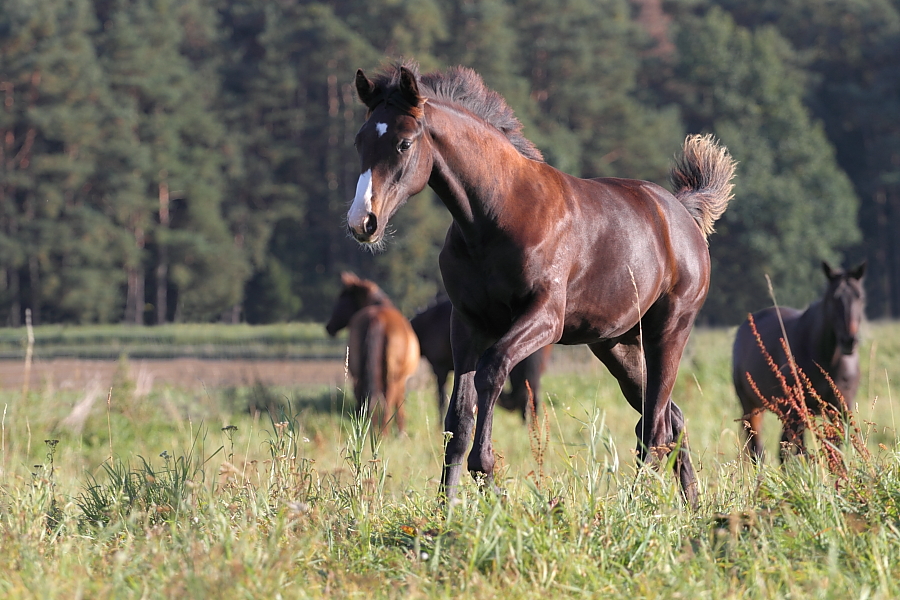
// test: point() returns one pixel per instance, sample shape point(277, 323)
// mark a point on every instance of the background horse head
point(432, 327)
point(356, 294)
point(843, 307)
point(823, 341)
point(383, 351)
point(535, 257)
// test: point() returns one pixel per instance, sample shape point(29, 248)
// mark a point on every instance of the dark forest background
point(192, 160)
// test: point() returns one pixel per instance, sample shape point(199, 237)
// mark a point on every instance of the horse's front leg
point(536, 328)
point(460, 418)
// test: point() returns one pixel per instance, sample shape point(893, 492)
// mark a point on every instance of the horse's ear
point(409, 87)
point(829, 272)
point(365, 88)
point(858, 271)
point(348, 279)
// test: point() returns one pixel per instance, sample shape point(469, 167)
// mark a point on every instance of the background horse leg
point(396, 394)
point(752, 427)
point(792, 438)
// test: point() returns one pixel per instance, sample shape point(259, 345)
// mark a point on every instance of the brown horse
point(824, 337)
point(432, 327)
point(383, 351)
point(535, 256)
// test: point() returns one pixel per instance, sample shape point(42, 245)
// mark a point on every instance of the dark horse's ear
point(365, 88)
point(409, 87)
point(829, 272)
point(858, 271)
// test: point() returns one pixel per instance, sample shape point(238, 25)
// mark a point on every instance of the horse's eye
point(404, 145)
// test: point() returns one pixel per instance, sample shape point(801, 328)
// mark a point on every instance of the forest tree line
point(192, 160)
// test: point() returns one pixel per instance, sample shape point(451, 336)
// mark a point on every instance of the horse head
point(845, 304)
point(394, 151)
point(356, 294)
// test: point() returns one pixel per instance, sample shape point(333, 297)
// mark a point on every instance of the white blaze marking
point(362, 203)
point(381, 128)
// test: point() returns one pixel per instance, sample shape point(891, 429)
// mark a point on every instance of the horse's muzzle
point(369, 228)
point(848, 345)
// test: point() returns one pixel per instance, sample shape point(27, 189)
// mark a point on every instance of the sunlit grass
point(200, 498)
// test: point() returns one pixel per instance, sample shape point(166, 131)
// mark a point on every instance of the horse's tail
point(702, 179)
point(372, 378)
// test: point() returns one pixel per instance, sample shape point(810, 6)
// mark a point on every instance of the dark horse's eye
point(404, 145)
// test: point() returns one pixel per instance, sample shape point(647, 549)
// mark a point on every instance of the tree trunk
point(34, 277)
point(15, 306)
point(134, 296)
point(162, 268)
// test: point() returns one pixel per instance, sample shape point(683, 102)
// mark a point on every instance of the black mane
point(464, 87)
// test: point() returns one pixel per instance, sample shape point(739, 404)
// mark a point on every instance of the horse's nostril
point(370, 225)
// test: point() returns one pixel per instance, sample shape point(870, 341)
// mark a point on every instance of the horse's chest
point(844, 376)
point(485, 290)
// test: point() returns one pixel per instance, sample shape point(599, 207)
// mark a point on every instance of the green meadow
point(182, 493)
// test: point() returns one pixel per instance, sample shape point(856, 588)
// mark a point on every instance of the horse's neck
point(473, 163)
point(378, 298)
point(817, 327)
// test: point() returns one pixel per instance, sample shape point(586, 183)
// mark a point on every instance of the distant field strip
point(288, 341)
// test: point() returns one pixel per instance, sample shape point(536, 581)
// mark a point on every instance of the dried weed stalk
point(801, 407)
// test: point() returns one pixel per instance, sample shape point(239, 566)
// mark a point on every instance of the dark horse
point(824, 337)
point(432, 327)
point(536, 257)
point(383, 351)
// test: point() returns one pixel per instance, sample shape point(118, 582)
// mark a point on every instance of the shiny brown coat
point(535, 256)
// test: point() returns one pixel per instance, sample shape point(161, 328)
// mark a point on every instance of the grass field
point(180, 492)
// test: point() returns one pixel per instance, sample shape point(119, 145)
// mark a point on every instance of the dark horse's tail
point(372, 379)
point(702, 179)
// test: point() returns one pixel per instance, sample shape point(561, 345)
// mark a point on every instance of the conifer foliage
point(192, 160)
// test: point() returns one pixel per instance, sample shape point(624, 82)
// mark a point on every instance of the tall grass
point(202, 500)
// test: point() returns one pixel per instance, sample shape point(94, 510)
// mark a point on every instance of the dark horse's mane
point(463, 87)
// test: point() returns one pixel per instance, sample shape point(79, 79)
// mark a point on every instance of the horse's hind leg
point(683, 468)
point(646, 374)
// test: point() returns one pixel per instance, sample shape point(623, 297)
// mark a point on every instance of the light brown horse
point(383, 348)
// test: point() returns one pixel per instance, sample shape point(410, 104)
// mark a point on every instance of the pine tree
point(56, 245)
point(852, 49)
point(179, 234)
point(793, 206)
point(583, 59)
